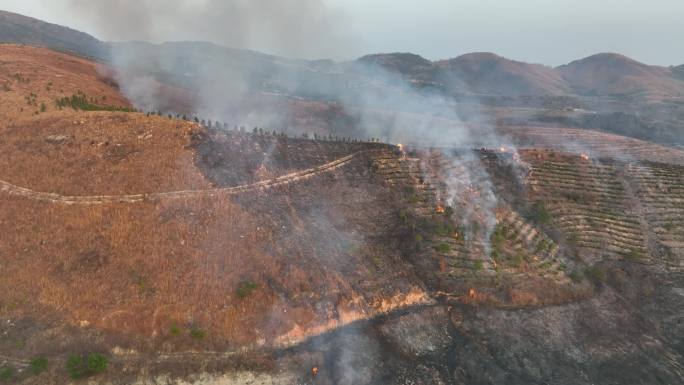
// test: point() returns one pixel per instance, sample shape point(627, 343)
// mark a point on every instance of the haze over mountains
point(476, 73)
point(186, 213)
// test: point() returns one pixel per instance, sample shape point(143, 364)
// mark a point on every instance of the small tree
point(38, 365)
point(80, 366)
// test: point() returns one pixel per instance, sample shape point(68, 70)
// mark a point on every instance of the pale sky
point(550, 32)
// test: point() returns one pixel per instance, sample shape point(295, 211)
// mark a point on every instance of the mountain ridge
point(472, 73)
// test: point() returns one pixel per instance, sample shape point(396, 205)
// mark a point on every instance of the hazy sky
point(551, 32)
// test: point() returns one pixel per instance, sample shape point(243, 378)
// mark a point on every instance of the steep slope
point(254, 257)
point(487, 73)
point(31, 77)
point(614, 74)
point(18, 29)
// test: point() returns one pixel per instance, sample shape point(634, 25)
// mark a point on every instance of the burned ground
point(361, 269)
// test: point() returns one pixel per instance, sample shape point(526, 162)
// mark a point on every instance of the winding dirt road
point(8, 188)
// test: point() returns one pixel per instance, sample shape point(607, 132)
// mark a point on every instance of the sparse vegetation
point(540, 213)
point(174, 330)
point(197, 333)
point(38, 365)
point(443, 248)
point(7, 374)
point(518, 259)
point(576, 276)
point(80, 101)
point(246, 288)
point(478, 265)
point(86, 365)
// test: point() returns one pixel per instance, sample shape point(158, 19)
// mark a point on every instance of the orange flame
point(440, 210)
point(471, 293)
point(584, 156)
point(400, 147)
point(314, 371)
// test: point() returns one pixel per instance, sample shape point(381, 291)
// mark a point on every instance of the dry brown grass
point(49, 75)
point(91, 153)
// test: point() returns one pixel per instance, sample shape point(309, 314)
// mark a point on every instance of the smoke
point(248, 88)
point(299, 28)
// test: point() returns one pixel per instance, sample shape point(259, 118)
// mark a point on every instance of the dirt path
point(8, 188)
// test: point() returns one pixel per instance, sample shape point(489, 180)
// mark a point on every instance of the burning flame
point(400, 147)
point(471, 293)
point(314, 371)
point(440, 210)
point(503, 149)
point(584, 156)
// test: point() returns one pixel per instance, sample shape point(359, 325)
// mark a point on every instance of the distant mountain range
point(603, 74)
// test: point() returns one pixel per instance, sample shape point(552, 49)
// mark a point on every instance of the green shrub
point(80, 366)
point(246, 288)
point(576, 276)
point(540, 213)
point(498, 237)
point(443, 248)
point(479, 265)
point(79, 101)
point(174, 330)
point(418, 238)
point(38, 365)
point(541, 246)
point(198, 333)
point(6, 374)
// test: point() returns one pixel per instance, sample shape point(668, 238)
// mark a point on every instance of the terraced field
point(596, 144)
point(589, 204)
point(660, 189)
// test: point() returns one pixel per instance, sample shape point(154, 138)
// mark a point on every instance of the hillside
point(476, 73)
point(18, 29)
point(611, 74)
point(211, 254)
point(489, 74)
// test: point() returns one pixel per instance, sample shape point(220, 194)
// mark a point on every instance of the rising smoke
point(300, 28)
point(245, 87)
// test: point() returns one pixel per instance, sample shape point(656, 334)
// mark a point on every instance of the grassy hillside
point(167, 248)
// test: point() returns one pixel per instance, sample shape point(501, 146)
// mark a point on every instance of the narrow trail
point(8, 188)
